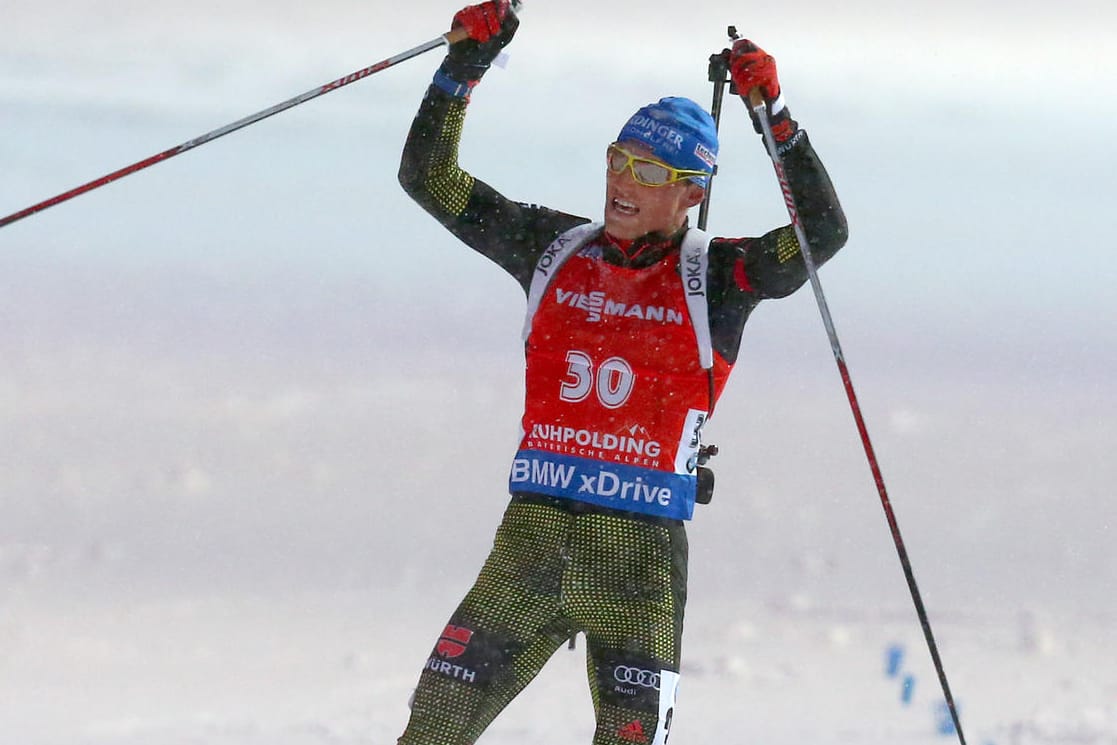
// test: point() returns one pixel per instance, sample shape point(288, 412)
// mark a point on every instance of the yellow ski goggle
point(646, 171)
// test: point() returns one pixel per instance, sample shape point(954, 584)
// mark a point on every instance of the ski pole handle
point(453, 37)
point(718, 73)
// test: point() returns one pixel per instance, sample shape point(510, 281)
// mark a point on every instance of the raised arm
point(744, 271)
point(773, 264)
point(508, 232)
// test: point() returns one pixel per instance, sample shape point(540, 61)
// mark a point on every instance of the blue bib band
point(613, 485)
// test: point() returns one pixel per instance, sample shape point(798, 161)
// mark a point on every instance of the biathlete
point(634, 323)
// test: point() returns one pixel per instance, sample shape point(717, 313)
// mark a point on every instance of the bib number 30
point(612, 380)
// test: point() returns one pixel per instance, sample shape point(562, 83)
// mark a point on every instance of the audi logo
point(635, 676)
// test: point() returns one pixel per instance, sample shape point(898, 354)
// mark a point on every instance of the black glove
point(490, 26)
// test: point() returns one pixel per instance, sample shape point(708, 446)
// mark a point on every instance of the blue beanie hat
point(679, 132)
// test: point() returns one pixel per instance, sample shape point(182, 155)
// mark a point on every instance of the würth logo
point(453, 642)
point(633, 732)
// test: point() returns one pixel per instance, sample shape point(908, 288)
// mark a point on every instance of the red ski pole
point(447, 39)
point(760, 108)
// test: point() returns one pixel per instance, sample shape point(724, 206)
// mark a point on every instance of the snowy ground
point(324, 669)
point(203, 542)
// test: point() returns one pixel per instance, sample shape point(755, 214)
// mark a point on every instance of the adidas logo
point(633, 732)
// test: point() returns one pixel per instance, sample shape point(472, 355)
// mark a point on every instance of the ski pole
point(718, 74)
point(446, 39)
point(760, 108)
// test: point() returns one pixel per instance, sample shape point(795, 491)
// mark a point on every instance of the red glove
point(484, 21)
point(752, 67)
point(490, 26)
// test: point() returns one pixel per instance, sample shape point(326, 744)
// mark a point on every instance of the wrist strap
point(451, 86)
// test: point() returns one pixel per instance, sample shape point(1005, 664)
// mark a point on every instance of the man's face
point(633, 210)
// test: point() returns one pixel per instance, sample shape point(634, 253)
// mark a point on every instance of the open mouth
point(624, 207)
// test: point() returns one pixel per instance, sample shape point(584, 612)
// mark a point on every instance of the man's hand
point(484, 21)
point(752, 67)
point(490, 26)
